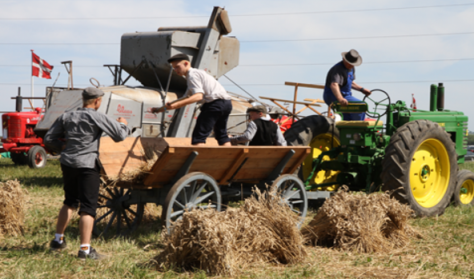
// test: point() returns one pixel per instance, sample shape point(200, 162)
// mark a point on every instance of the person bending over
point(203, 88)
point(261, 130)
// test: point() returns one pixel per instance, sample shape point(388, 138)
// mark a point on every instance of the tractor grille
point(465, 132)
point(14, 128)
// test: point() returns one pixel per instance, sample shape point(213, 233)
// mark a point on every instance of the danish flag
point(40, 68)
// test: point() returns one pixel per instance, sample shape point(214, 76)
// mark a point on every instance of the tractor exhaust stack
point(440, 97)
point(19, 101)
point(434, 97)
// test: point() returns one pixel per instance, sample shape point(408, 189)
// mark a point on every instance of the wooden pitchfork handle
point(163, 108)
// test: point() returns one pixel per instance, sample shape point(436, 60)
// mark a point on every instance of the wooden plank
point(222, 162)
point(294, 103)
point(283, 108)
point(307, 85)
point(159, 165)
point(234, 167)
point(314, 100)
point(298, 162)
point(201, 164)
point(120, 157)
point(288, 101)
point(305, 107)
point(167, 176)
point(187, 142)
point(317, 112)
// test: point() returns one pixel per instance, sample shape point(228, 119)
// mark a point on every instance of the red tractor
point(20, 140)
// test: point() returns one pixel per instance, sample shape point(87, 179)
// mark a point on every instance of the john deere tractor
point(414, 155)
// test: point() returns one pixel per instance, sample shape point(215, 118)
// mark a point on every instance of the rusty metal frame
point(70, 84)
point(116, 72)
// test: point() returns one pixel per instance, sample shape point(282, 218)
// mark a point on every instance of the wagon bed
point(217, 173)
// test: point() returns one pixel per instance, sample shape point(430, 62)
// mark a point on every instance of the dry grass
point(150, 155)
point(446, 251)
point(12, 202)
point(261, 231)
point(361, 223)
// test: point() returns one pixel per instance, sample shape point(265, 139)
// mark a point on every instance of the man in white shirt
point(203, 88)
point(261, 130)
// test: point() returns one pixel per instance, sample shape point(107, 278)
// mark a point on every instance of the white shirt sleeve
point(280, 140)
point(195, 83)
point(246, 136)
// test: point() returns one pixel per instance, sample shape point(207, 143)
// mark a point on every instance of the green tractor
point(414, 155)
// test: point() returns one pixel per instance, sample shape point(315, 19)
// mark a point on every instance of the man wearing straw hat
point(82, 129)
point(340, 81)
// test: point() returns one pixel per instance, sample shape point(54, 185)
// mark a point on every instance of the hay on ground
point(361, 223)
point(12, 202)
point(263, 230)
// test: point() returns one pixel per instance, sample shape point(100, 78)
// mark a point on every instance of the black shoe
point(93, 255)
point(54, 245)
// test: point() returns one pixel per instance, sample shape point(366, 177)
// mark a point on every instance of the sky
point(406, 45)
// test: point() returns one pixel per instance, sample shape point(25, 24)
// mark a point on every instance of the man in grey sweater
point(76, 134)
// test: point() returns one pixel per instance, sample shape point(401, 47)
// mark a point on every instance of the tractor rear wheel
point(320, 133)
point(464, 191)
point(420, 167)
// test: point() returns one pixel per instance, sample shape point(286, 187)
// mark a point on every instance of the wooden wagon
point(185, 177)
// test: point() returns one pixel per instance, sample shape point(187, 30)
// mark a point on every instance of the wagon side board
point(118, 158)
point(241, 163)
point(225, 164)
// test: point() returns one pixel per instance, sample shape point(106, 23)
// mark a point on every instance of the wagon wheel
point(119, 216)
point(293, 194)
point(194, 190)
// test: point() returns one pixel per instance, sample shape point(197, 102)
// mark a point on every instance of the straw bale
point(263, 230)
point(361, 223)
point(12, 202)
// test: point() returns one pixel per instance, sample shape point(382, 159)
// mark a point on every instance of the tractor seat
point(359, 123)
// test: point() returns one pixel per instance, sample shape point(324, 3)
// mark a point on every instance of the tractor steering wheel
point(381, 102)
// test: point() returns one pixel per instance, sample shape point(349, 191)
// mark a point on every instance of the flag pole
point(32, 81)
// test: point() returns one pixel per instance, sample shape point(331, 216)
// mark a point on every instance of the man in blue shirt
point(340, 81)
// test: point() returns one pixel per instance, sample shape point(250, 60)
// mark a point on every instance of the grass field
point(446, 251)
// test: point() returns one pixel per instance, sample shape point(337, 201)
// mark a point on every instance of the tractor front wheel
point(420, 167)
point(464, 191)
point(36, 157)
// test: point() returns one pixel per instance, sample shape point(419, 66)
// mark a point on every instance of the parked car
point(469, 156)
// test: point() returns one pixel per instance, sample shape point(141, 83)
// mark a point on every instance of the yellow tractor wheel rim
point(467, 192)
point(319, 144)
point(429, 173)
